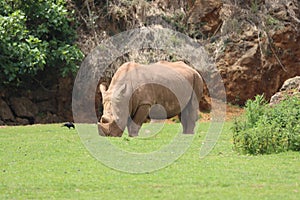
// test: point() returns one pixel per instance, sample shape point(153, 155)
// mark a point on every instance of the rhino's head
point(115, 111)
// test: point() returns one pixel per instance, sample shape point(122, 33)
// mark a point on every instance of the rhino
point(158, 91)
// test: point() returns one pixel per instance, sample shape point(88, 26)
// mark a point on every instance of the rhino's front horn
point(105, 120)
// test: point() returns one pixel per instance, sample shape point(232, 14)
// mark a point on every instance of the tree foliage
point(36, 35)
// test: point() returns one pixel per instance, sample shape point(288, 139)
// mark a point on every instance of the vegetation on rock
point(35, 36)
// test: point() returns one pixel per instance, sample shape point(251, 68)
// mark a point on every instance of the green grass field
point(51, 162)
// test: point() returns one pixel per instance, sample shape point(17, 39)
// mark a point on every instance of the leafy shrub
point(34, 35)
point(265, 129)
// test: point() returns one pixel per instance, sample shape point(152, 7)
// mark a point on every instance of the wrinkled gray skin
point(136, 90)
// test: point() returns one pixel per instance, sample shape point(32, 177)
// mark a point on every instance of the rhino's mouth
point(109, 129)
point(103, 129)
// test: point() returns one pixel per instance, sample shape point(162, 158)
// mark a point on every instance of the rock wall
point(261, 52)
point(39, 105)
point(255, 44)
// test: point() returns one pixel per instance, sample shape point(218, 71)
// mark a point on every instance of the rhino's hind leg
point(188, 117)
point(136, 122)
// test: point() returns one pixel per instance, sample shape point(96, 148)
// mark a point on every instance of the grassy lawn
point(50, 162)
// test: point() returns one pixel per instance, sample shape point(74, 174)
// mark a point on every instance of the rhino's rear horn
point(103, 88)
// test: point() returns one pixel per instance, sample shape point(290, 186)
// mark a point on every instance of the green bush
point(265, 129)
point(36, 34)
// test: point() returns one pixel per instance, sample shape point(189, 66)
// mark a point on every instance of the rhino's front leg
point(136, 122)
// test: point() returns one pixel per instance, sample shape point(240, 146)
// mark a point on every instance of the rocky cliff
point(254, 44)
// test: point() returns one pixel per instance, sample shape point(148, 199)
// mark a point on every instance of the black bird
point(69, 125)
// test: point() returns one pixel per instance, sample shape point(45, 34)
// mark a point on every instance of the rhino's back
point(135, 72)
point(167, 84)
point(160, 71)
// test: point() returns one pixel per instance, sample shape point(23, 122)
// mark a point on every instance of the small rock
point(291, 84)
point(22, 121)
point(290, 87)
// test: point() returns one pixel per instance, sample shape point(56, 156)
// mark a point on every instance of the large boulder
point(5, 112)
point(290, 87)
point(23, 107)
point(22, 121)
